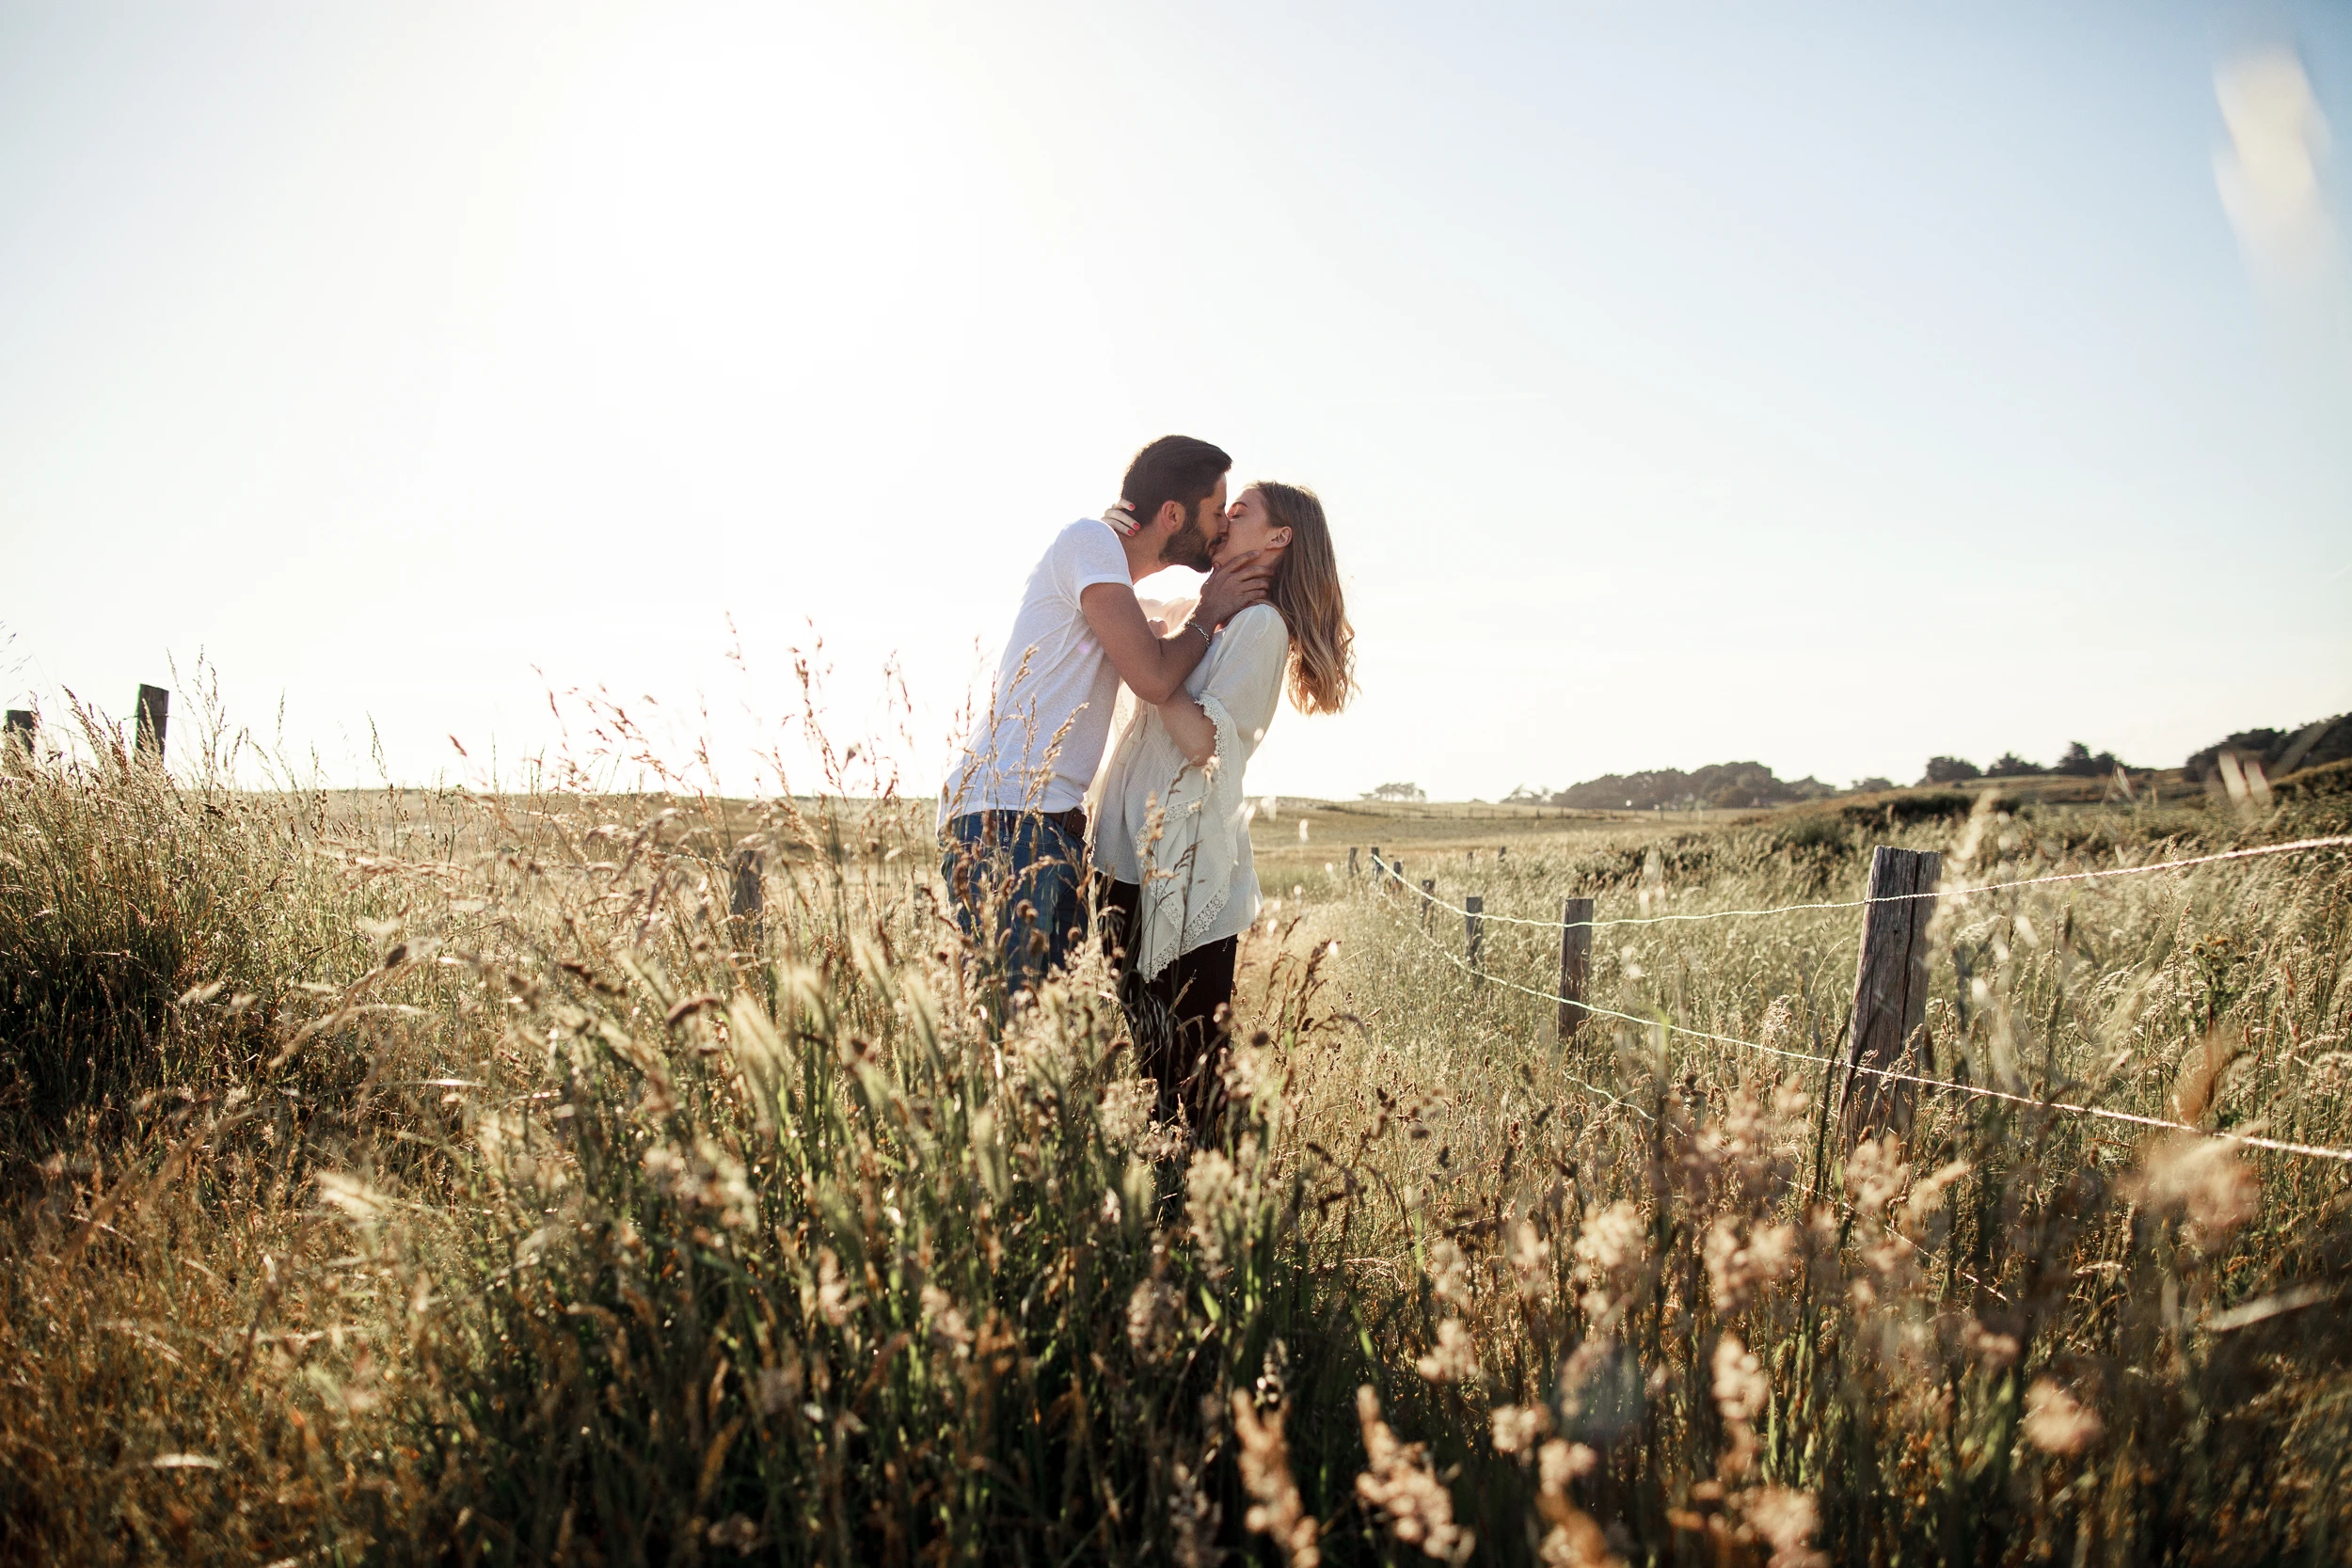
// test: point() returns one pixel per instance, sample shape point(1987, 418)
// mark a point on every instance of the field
point(428, 1176)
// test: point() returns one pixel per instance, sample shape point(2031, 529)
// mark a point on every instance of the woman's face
point(1251, 527)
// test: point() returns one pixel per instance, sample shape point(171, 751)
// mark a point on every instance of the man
point(1009, 812)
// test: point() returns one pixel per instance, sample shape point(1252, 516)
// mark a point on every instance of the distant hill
point(1721, 784)
point(2279, 752)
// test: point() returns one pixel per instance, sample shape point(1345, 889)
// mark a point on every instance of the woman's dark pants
point(1181, 1017)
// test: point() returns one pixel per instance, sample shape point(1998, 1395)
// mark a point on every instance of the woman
point(1172, 828)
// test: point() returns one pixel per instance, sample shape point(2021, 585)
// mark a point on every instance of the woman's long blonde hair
point(1306, 592)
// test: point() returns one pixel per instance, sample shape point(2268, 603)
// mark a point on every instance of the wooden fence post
point(1890, 992)
point(18, 749)
point(1351, 861)
point(1379, 884)
point(154, 714)
point(1428, 899)
point(1576, 960)
point(1473, 929)
point(747, 902)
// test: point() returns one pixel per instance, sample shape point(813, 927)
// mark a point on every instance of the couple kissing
point(1161, 867)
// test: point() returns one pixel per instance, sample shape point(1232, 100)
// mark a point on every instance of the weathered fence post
point(747, 903)
point(1379, 884)
point(18, 749)
point(1428, 899)
point(1576, 960)
point(1474, 927)
point(154, 714)
point(1890, 992)
point(1351, 861)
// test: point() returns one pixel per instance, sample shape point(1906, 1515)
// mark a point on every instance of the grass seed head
point(2056, 1422)
point(1398, 1481)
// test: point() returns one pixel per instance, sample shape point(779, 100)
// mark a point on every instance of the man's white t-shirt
point(1038, 744)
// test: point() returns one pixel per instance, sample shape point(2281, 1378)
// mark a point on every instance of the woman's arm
point(1246, 678)
point(1188, 725)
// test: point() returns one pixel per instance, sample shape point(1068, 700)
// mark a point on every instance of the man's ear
point(1171, 515)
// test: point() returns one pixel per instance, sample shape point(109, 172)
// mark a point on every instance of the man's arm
point(1153, 667)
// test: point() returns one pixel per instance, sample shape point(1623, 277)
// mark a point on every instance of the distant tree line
point(2278, 752)
point(2080, 761)
point(1736, 785)
point(1720, 785)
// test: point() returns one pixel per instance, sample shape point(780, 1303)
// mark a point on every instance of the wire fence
point(1381, 868)
point(1941, 1085)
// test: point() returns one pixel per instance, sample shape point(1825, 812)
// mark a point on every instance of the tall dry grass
point(456, 1177)
point(2011, 1333)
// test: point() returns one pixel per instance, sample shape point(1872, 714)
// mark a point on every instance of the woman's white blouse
point(1181, 832)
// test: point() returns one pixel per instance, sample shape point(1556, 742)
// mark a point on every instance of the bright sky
point(1825, 385)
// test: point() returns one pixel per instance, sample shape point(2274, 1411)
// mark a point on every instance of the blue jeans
point(1019, 882)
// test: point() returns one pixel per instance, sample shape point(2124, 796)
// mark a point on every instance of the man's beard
point(1191, 547)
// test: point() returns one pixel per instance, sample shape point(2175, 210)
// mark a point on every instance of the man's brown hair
point(1172, 469)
